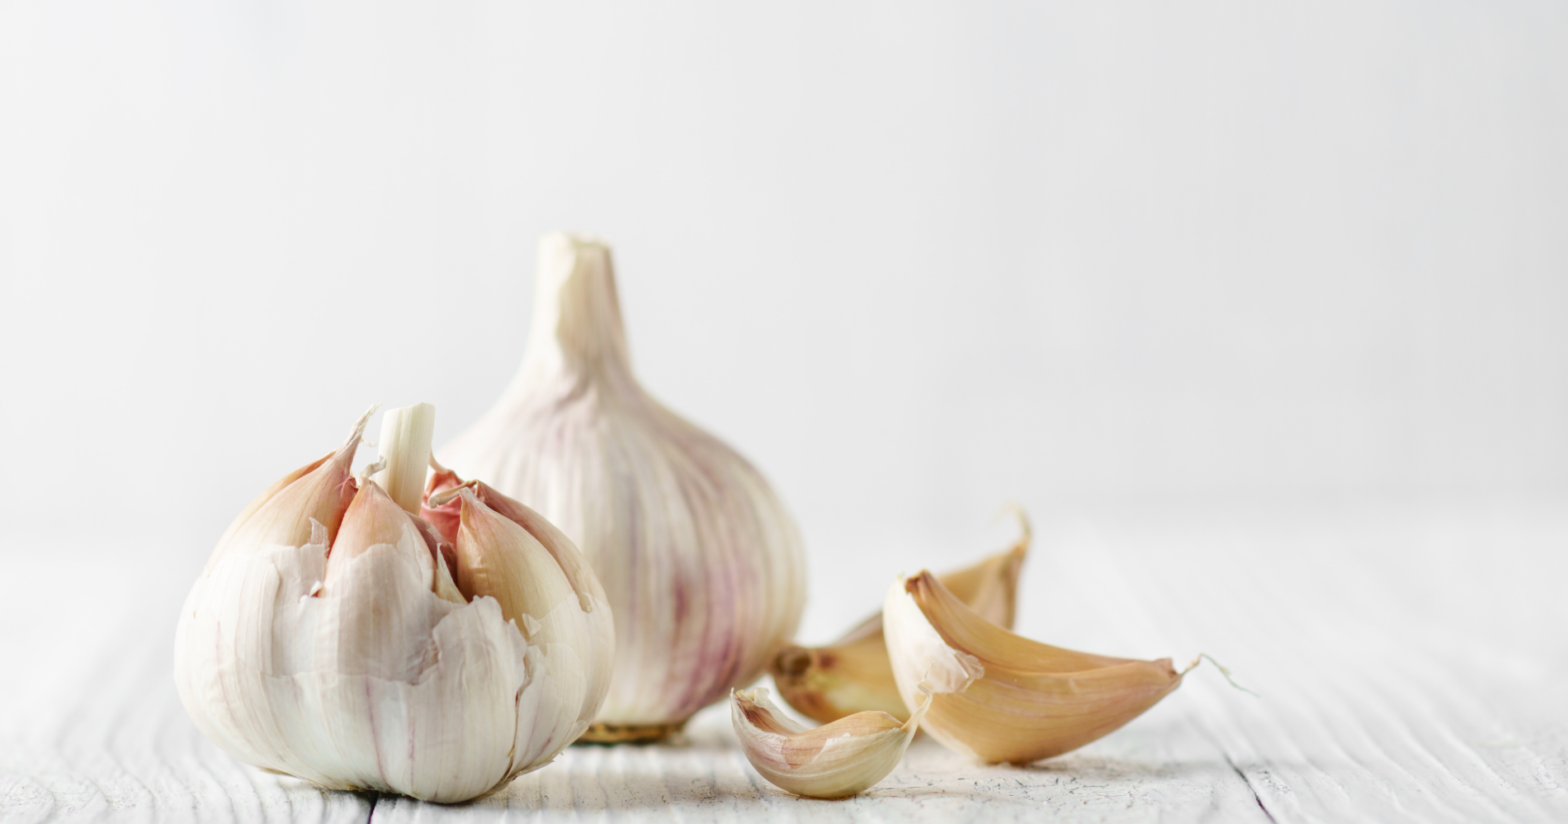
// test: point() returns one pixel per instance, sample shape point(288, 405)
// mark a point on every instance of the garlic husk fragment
point(700, 562)
point(350, 657)
point(853, 674)
point(835, 760)
point(999, 697)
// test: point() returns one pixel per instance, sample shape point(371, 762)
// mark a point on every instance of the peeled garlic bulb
point(701, 563)
point(835, 760)
point(853, 674)
point(999, 697)
point(331, 638)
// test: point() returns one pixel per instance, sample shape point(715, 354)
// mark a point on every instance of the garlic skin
point(329, 639)
point(853, 674)
point(700, 562)
point(835, 760)
point(999, 697)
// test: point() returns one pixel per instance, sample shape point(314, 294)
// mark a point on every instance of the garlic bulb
point(338, 637)
point(853, 674)
point(835, 760)
point(702, 565)
point(999, 697)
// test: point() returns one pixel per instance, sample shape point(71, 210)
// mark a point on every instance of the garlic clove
point(853, 674)
point(444, 553)
point(498, 558)
point(1000, 697)
point(373, 519)
point(446, 515)
point(540, 581)
point(281, 516)
point(835, 760)
point(443, 507)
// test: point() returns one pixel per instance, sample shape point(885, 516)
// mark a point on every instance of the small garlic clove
point(373, 519)
point(447, 515)
point(444, 554)
point(281, 516)
point(836, 760)
point(1000, 697)
point(853, 674)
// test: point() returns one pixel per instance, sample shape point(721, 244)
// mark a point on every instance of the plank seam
point(1254, 790)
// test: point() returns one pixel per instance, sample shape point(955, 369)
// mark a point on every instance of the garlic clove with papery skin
point(1000, 697)
point(835, 760)
point(511, 553)
point(374, 518)
point(698, 558)
point(353, 661)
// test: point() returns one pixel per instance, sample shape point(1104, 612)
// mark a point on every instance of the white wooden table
point(1412, 663)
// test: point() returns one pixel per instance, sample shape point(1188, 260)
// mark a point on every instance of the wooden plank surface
point(1410, 662)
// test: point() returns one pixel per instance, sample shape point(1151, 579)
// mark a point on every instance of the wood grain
point(1409, 660)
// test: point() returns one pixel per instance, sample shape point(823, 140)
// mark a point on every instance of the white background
point(913, 259)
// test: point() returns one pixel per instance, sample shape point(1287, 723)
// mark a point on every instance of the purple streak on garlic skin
point(700, 561)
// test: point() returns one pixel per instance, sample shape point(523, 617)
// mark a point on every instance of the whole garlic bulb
point(702, 564)
point(338, 637)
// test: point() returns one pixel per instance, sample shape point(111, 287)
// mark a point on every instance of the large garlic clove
point(493, 531)
point(387, 679)
point(698, 558)
point(835, 760)
point(1000, 697)
point(853, 674)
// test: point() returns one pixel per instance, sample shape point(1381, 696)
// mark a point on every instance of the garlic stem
point(577, 326)
point(406, 433)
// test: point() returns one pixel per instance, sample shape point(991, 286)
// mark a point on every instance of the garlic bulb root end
point(601, 733)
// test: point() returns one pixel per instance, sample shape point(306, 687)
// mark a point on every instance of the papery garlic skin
point(1000, 697)
point(835, 760)
point(369, 671)
point(700, 561)
point(853, 674)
